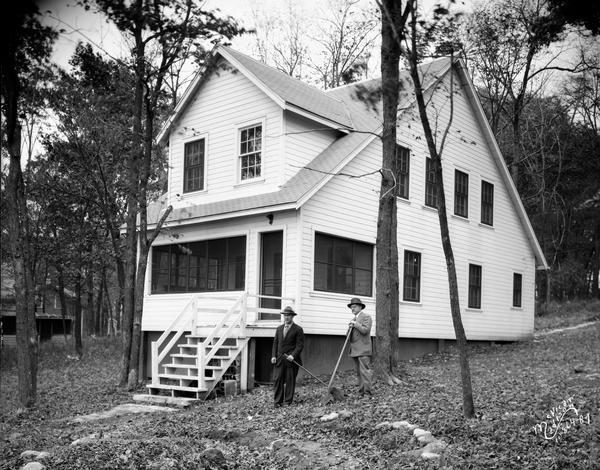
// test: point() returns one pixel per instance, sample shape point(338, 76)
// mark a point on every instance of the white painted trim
point(227, 215)
point(238, 128)
point(198, 237)
point(314, 117)
point(184, 142)
point(402, 249)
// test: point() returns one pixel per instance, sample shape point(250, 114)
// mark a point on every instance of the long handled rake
point(333, 391)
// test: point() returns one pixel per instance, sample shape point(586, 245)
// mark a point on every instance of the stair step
point(166, 375)
point(189, 356)
point(181, 366)
point(176, 387)
point(223, 346)
point(181, 402)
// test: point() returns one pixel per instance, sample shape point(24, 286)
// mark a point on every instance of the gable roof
point(361, 103)
point(288, 92)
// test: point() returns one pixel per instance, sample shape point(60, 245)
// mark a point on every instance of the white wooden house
point(274, 186)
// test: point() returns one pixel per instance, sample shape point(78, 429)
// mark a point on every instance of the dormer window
point(250, 152)
point(193, 166)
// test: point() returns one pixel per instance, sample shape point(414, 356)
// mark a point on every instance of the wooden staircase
point(198, 363)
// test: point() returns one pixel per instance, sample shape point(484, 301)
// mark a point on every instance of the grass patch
point(565, 314)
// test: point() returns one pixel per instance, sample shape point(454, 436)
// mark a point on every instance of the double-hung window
point(403, 161)
point(250, 152)
point(517, 289)
point(343, 265)
point(193, 166)
point(461, 194)
point(487, 203)
point(474, 286)
point(430, 184)
point(412, 277)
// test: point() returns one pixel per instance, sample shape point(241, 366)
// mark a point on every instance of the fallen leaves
point(515, 386)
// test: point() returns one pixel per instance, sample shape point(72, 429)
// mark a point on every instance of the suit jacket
point(293, 343)
point(360, 338)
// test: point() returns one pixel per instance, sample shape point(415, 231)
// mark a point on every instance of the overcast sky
point(81, 25)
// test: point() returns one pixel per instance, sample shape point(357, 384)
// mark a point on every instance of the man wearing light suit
point(287, 346)
point(360, 345)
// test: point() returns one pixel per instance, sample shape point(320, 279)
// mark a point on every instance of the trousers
point(284, 378)
point(362, 365)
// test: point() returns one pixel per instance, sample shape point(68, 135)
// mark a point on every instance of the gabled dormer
point(243, 129)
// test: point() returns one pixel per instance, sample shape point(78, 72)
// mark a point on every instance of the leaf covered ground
point(516, 386)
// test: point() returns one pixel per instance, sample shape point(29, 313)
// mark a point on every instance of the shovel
point(330, 387)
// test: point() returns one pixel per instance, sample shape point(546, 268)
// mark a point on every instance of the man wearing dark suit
point(287, 346)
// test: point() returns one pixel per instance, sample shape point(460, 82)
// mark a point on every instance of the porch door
point(271, 247)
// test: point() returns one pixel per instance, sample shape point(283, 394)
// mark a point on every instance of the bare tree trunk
point(99, 306)
point(109, 317)
point(63, 301)
point(18, 235)
point(77, 325)
point(132, 202)
point(89, 303)
point(461, 339)
point(387, 280)
point(136, 336)
point(596, 262)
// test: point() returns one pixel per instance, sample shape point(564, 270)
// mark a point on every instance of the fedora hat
point(288, 311)
point(356, 301)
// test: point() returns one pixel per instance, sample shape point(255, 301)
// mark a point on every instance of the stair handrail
point(172, 327)
point(239, 320)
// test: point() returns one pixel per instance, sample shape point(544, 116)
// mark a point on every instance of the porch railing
point(233, 320)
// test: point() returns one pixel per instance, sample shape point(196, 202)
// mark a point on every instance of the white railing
point(232, 320)
point(181, 323)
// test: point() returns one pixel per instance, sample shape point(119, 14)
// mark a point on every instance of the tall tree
point(406, 42)
point(436, 157)
point(393, 19)
point(160, 30)
point(25, 43)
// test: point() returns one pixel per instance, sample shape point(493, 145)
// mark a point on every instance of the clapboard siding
point(348, 208)
point(343, 207)
point(226, 102)
point(304, 140)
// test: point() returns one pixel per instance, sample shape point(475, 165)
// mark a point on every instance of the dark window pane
point(343, 252)
point(343, 265)
point(193, 166)
point(517, 289)
point(403, 156)
point(487, 203)
point(363, 256)
point(461, 193)
point(343, 279)
point(323, 248)
point(474, 286)
point(412, 276)
point(430, 184)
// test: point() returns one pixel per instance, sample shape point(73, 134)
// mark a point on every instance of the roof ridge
point(283, 74)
